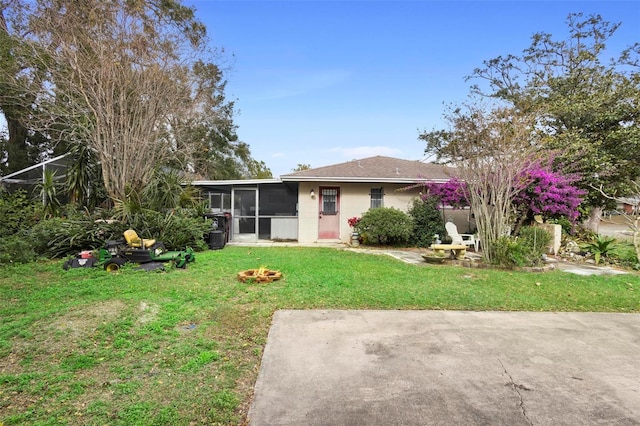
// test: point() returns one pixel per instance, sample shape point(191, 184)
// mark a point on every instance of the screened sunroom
point(260, 209)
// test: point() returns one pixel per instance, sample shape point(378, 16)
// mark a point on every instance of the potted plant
point(355, 235)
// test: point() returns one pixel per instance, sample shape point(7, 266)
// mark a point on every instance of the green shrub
point(24, 235)
point(525, 250)
point(624, 253)
point(507, 253)
point(385, 225)
point(16, 248)
point(59, 237)
point(176, 229)
point(535, 240)
point(17, 212)
point(427, 222)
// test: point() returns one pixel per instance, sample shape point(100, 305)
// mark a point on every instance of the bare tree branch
point(491, 150)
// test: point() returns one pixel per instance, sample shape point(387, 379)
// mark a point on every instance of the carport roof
point(375, 169)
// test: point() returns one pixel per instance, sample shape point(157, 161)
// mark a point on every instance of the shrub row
point(25, 235)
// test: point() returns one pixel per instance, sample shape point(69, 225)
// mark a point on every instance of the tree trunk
point(593, 222)
point(520, 223)
point(16, 149)
point(17, 152)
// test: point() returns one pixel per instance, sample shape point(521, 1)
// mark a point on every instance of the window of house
point(329, 201)
point(377, 197)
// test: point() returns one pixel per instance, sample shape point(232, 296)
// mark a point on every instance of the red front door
point(329, 208)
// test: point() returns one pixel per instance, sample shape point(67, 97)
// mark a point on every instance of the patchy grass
point(184, 347)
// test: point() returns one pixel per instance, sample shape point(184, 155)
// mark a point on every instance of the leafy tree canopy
point(136, 84)
point(300, 167)
point(586, 100)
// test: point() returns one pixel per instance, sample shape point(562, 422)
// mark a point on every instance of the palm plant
point(599, 246)
point(84, 177)
point(168, 190)
point(129, 208)
point(49, 192)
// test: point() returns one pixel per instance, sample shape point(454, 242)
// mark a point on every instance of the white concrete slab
point(449, 368)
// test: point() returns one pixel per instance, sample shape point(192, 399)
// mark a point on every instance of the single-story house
point(314, 205)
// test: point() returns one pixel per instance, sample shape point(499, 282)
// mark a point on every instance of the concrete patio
point(449, 367)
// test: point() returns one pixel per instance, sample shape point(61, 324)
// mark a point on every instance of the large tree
point(490, 151)
point(587, 102)
point(132, 80)
point(20, 147)
point(116, 80)
point(207, 143)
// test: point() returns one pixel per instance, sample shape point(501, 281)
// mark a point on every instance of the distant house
point(629, 205)
point(314, 205)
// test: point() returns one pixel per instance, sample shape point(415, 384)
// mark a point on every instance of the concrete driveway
point(448, 367)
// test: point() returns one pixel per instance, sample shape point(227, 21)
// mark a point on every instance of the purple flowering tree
point(454, 193)
point(549, 194)
point(491, 148)
point(546, 192)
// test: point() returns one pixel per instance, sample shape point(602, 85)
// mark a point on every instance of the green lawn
point(183, 347)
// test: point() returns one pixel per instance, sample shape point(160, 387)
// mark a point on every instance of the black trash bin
point(216, 239)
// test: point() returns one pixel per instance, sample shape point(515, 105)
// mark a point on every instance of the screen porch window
point(219, 202)
point(377, 198)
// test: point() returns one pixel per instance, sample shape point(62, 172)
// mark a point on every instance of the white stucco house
point(314, 205)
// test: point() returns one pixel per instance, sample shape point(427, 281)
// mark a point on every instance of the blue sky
point(322, 82)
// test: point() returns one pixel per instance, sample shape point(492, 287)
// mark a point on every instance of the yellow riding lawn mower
point(149, 254)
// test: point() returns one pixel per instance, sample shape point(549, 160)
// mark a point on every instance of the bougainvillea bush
point(548, 193)
point(454, 193)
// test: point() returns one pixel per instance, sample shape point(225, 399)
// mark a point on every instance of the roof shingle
point(372, 168)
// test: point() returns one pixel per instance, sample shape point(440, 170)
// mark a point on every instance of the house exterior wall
point(355, 200)
point(307, 213)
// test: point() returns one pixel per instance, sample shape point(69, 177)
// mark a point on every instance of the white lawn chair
point(463, 239)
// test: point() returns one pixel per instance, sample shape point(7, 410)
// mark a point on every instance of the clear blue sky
point(322, 82)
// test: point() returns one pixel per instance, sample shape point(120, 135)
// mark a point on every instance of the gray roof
point(375, 169)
